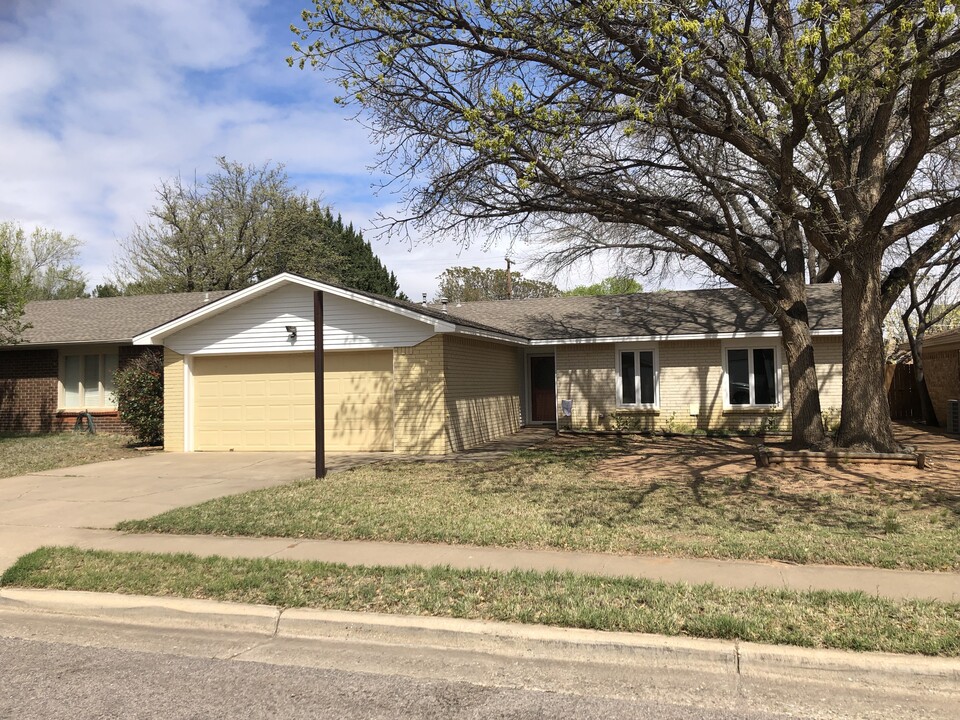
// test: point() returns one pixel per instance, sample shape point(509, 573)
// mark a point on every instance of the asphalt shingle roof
point(106, 319)
point(687, 312)
point(684, 312)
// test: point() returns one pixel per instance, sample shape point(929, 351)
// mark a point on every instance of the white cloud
point(100, 101)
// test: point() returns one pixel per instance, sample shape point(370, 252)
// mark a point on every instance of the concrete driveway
point(72, 505)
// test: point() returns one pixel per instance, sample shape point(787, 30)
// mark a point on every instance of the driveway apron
point(70, 505)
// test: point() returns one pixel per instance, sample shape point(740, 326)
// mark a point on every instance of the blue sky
point(101, 99)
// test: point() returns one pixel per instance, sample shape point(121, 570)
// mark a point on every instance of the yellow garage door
point(265, 402)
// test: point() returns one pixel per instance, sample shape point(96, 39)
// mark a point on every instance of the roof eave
point(674, 337)
point(60, 343)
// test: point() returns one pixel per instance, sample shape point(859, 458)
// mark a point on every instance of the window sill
point(753, 410)
point(634, 410)
point(66, 412)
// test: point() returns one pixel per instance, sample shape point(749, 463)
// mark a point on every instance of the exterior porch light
point(291, 332)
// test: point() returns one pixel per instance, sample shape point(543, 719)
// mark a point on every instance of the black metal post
point(319, 444)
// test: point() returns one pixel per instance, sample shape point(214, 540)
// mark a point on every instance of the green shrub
point(139, 394)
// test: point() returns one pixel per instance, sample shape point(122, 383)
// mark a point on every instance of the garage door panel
point(265, 402)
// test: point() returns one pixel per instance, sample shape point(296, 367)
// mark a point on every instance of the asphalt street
point(57, 680)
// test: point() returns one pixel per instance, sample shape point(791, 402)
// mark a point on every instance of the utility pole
point(509, 280)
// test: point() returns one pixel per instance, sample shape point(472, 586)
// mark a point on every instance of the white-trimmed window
point(751, 375)
point(638, 376)
point(86, 380)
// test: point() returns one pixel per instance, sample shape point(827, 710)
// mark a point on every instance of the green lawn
point(852, 621)
point(34, 453)
point(556, 498)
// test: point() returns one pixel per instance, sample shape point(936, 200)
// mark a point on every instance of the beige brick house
point(408, 378)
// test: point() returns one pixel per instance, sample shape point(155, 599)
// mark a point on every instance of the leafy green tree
point(469, 284)
point(43, 262)
point(242, 224)
point(616, 285)
point(775, 142)
point(12, 301)
point(209, 235)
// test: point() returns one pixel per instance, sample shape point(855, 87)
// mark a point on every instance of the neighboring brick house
point(65, 362)
point(403, 377)
point(941, 369)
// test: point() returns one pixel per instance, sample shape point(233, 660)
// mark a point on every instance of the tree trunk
point(807, 420)
point(865, 412)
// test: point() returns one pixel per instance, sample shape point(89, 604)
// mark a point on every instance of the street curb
point(145, 610)
point(510, 639)
point(725, 657)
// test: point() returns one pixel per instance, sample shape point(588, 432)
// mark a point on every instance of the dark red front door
point(543, 389)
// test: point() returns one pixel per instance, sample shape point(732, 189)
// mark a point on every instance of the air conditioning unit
point(953, 416)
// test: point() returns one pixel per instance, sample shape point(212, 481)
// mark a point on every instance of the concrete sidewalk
point(897, 584)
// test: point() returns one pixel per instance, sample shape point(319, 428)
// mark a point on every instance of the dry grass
point(600, 496)
point(35, 453)
point(852, 621)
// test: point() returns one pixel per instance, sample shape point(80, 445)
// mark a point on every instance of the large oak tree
point(768, 139)
point(241, 224)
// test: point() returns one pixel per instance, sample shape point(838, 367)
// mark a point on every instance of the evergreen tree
point(319, 246)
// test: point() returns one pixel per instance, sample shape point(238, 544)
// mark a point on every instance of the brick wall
point(586, 374)
point(107, 421)
point(941, 368)
point(28, 390)
point(691, 379)
point(482, 391)
point(418, 376)
point(828, 354)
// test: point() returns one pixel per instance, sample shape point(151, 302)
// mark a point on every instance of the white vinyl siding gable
point(260, 326)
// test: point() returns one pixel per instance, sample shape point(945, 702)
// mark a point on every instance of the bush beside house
point(139, 395)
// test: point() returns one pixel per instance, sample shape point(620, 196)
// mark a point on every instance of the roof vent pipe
point(443, 305)
point(424, 301)
point(206, 297)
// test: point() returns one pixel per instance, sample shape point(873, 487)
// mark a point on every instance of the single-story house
point(414, 378)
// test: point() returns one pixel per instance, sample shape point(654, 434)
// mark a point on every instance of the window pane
point(628, 376)
point(738, 373)
point(110, 363)
point(764, 377)
point(647, 394)
point(71, 381)
point(91, 381)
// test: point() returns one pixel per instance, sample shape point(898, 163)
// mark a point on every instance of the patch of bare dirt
point(703, 458)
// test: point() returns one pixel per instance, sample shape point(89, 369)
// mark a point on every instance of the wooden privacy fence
point(903, 395)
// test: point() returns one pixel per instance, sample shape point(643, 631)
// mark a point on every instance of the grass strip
point(551, 499)
point(850, 621)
